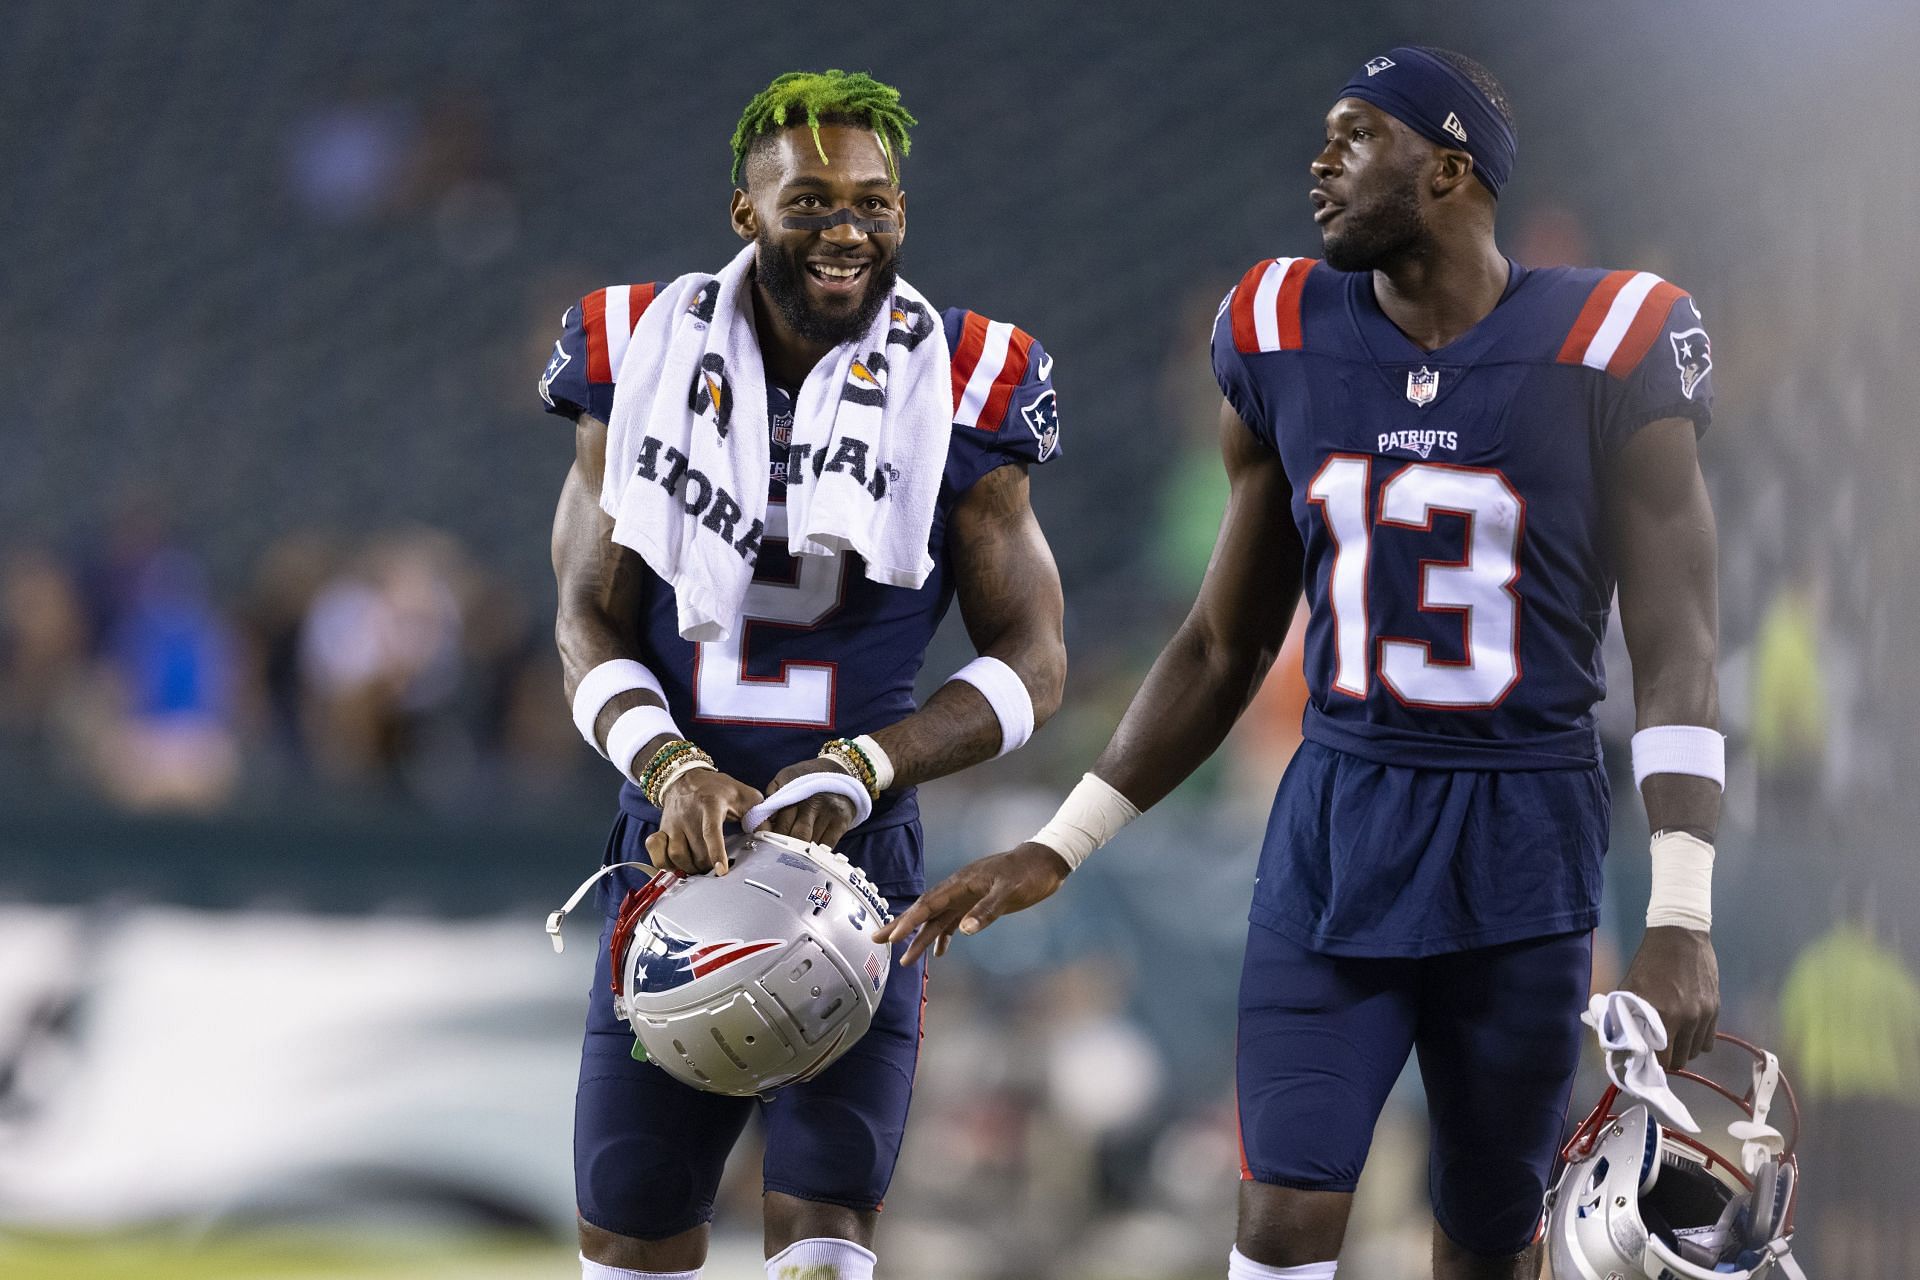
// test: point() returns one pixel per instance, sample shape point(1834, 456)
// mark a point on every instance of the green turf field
point(280, 1258)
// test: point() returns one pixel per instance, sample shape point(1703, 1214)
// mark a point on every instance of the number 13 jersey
point(1449, 501)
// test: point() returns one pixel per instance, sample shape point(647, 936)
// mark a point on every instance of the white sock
point(821, 1258)
point(591, 1270)
point(1241, 1267)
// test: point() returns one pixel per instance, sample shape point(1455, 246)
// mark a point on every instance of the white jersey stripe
point(619, 325)
point(1266, 312)
point(993, 358)
point(1613, 330)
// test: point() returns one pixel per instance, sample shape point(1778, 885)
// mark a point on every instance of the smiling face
point(827, 233)
point(1366, 194)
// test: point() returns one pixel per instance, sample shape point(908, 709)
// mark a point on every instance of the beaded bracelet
point(847, 754)
point(650, 777)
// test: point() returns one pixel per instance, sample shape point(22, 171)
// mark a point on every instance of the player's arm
point(1665, 550)
point(599, 585)
point(1196, 690)
point(1010, 599)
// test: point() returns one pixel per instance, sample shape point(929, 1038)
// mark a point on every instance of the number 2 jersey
point(1458, 580)
point(822, 652)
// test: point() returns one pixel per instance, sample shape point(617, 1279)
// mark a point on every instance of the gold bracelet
point(690, 762)
point(678, 749)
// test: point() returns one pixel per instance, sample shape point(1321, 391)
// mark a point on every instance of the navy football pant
point(1323, 1038)
point(648, 1151)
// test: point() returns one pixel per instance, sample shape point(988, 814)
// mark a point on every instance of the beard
point(1384, 229)
point(782, 275)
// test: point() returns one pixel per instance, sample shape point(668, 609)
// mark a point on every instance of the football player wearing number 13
point(1458, 458)
point(783, 476)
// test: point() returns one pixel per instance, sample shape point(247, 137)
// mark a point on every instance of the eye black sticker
point(842, 217)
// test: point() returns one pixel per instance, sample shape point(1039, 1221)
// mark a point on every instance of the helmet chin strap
point(554, 919)
point(1759, 1141)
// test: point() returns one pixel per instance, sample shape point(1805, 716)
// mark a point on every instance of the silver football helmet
point(744, 983)
point(1638, 1200)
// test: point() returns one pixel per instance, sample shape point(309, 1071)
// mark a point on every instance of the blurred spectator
point(380, 655)
point(172, 659)
point(43, 649)
point(1850, 1013)
point(1790, 705)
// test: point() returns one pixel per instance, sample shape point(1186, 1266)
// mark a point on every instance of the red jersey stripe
point(1288, 303)
point(966, 356)
point(1645, 328)
point(593, 318)
point(1246, 339)
point(639, 298)
point(993, 414)
point(1592, 316)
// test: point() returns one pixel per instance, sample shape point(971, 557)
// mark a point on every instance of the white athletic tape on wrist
point(635, 728)
point(1007, 694)
point(605, 683)
point(877, 757)
point(805, 787)
point(1680, 748)
point(1682, 882)
point(1241, 1267)
point(1091, 815)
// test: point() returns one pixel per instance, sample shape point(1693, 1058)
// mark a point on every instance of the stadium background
point(286, 783)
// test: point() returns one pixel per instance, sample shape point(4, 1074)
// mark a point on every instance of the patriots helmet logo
point(1693, 354)
point(668, 959)
point(1043, 419)
point(559, 361)
point(1376, 65)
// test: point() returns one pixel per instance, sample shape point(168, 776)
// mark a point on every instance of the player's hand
point(975, 896)
point(1678, 974)
point(693, 809)
point(820, 819)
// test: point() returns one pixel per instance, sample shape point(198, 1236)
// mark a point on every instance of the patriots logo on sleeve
point(1043, 419)
point(559, 361)
point(1693, 354)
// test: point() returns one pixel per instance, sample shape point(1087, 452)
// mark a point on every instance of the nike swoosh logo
point(1046, 365)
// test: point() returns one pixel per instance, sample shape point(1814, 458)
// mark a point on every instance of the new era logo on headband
point(1453, 126)
point(1377, 65)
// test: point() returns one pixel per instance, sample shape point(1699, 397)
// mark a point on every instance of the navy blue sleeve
point(1237, 382)
point(1005, 413)
point(563, 387)
point(1674, 379)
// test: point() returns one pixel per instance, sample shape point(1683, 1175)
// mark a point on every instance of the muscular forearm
point(1197, 689)
point(957, 728)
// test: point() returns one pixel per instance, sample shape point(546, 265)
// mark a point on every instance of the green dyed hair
point(825, 95)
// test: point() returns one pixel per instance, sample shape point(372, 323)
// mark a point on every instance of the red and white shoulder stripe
point(1620, 321)
point(988, 363)
point(609, 315)
point(1266, 306)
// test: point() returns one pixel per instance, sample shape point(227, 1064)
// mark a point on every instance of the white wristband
point(1680, 748)
point(1091, 815)
point(1007, 694)
point(602, 685)
point(1682, 882)
point(635, 728)
point(877, 757)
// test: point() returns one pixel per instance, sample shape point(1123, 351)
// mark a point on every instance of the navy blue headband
point(1433, 99)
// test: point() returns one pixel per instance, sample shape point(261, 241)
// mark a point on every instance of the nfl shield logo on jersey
point(1423, 384)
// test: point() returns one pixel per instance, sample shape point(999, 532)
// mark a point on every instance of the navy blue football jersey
point(823, 651)
point(1449, 501)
